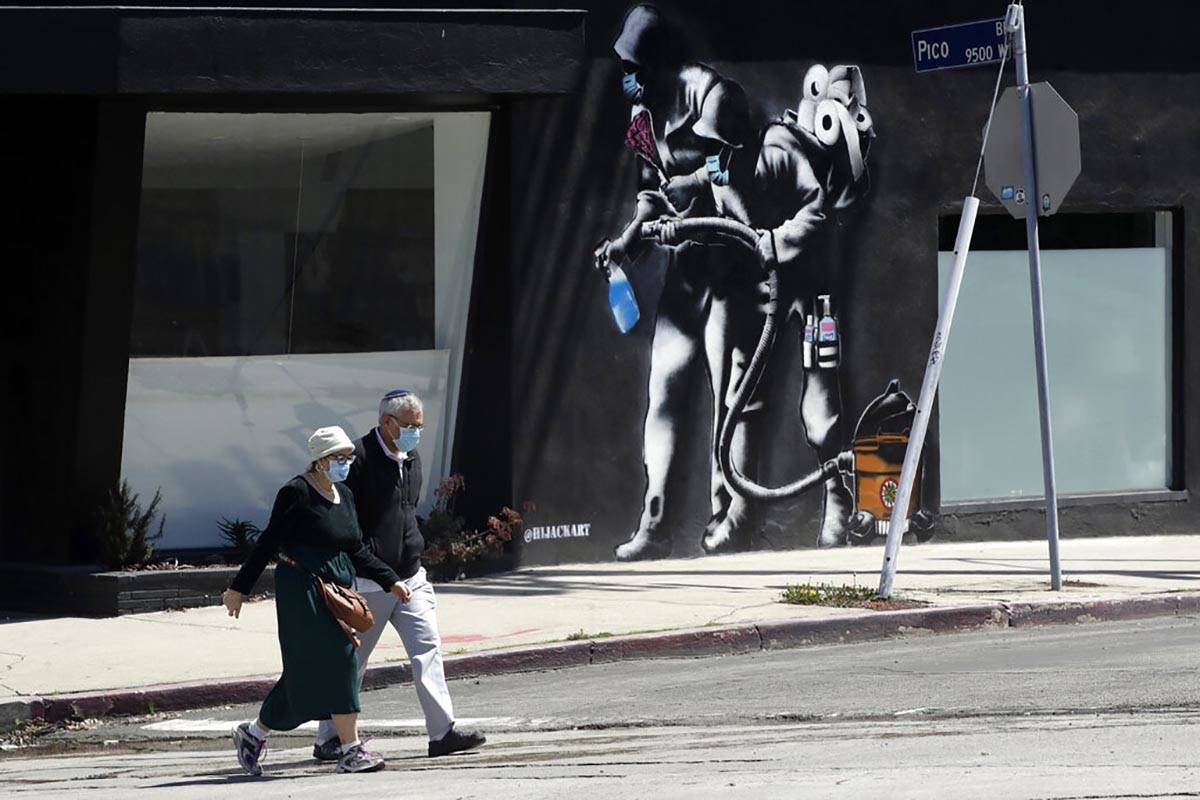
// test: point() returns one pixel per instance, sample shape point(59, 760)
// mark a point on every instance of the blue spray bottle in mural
point(622, 300)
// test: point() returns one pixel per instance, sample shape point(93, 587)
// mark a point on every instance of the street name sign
point(968, 44)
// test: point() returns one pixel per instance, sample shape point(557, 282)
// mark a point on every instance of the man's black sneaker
point(329, 750)
point(456, 742)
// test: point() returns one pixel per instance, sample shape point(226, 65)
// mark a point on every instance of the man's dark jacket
point(387, 504)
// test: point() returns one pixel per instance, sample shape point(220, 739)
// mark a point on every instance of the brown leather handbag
point(349, 608)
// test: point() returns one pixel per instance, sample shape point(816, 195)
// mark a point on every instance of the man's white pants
point(416, 622)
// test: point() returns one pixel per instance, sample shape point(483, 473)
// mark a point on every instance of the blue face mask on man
point(408, 439)
point(631, 88)
point(338, 471)
point(716, 175)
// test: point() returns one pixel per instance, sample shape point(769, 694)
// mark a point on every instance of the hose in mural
point(674, 231)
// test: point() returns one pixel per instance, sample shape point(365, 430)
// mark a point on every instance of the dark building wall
point(77, 84)
point(576, 388)
point(74, 167)
point(580, 387)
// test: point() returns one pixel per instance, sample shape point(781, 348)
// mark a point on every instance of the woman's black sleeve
point(369, 565)
point(268, 541)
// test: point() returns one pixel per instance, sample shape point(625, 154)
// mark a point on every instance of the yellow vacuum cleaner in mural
point(877, 450)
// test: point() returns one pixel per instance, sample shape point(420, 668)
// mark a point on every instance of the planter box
point(87, 591)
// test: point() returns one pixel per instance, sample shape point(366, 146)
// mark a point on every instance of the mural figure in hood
point(707, 309)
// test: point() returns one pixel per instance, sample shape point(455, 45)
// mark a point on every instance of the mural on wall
point(743, 216)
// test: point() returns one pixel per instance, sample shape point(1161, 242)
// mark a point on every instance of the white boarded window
point(1107, 283)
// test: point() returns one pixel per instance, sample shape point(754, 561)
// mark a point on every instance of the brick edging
point(686, 643)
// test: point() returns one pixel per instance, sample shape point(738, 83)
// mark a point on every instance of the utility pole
point(1015, 24)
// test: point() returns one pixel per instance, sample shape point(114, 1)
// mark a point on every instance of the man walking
point(385, 479)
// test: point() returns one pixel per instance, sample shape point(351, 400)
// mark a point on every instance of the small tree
point(123, 528)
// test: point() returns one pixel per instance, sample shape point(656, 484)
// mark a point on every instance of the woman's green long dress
point(320, 666)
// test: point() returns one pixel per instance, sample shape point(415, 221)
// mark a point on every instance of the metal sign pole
point(1015, 22)
point(933, 373)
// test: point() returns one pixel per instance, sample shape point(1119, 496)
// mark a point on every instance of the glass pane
point(269, 234)
point(1109, 343)
point(236, 206)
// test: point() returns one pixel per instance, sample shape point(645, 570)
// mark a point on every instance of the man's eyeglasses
point(343, 459)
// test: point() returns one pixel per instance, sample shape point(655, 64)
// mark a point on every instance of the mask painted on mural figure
point(631, 88)
point(337, 472)
point(718, 176)
point(408, 439)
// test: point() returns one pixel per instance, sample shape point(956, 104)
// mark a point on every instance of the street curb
point(1021, 615)
point(687, 643)
point(878, 625)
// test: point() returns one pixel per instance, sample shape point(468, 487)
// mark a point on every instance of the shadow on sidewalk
point(234, 775)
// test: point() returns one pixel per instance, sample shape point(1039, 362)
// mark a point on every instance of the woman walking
point(313, 524)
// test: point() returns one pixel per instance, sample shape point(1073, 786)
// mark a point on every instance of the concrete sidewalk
point(46, 657)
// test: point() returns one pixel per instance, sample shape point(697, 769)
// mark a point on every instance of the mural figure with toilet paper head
point(812, 167)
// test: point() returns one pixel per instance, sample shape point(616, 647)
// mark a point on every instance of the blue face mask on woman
point(337, 471)
point(408, 439)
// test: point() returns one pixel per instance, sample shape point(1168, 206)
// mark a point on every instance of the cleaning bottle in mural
point(810, 339)
point(622, 300)
point(829, 351)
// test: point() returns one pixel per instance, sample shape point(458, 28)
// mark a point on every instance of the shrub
point(123, 528)
point(239, 534)
point(450, 544)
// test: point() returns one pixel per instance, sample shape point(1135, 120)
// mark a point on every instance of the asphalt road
point(1088, 711)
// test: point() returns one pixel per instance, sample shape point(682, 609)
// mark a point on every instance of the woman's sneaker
point(358, 759)
point(250, 749)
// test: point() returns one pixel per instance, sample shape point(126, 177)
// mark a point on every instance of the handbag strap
point(349, 632)
point(291, 562)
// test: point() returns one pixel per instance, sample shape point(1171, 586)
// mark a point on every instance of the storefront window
point(291, 269)
point(1108, 304)
point(285, 233)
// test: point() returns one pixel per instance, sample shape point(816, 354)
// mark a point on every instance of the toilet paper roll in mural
point(747, 218)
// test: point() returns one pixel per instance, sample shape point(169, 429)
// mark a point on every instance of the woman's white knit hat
point(328, 440)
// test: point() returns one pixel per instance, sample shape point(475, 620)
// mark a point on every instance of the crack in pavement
point(1121, 796)
point(20, 657)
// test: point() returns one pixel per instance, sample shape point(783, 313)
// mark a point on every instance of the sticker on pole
point(968, 44)
point(1055, 141)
